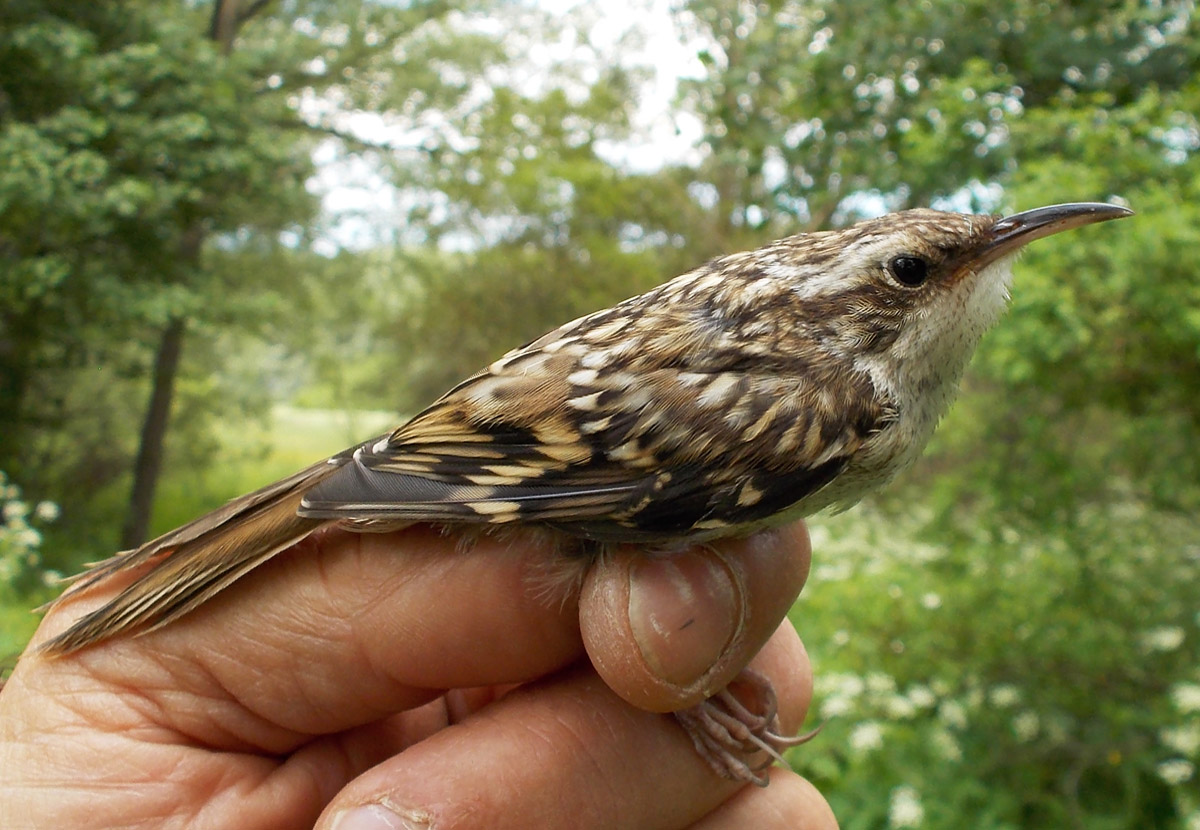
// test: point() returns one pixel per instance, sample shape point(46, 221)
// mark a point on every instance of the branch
point(253, 9)
point(354, 141)
point(222, 27)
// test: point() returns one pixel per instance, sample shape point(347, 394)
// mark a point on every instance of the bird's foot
point(740, 740)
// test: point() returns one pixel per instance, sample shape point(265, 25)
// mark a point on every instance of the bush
point(1011, 679)
point(23, 579)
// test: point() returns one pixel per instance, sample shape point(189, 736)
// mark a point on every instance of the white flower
point(1182, 739)
point(880, 683)
point(899, 707)
point(852, 684)
point(46, 511)
point(866, 737)
point(833, 571)
point(1004, 696)
point(27, 537)
point(946, 745)
point(1186, 697)
point(840, 637)
point(819, 536)
point(922, 697)
point(1163, 638)
point(1176, 771)
point(839, 683)
point(904, 808)
point(835, 706)
point(1026, 726)
point(15, 510)
point(953, 714)
point(931, 601)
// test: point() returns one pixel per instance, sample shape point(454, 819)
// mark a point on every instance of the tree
point(1007, 634)
point(133, 140)
point(517, 220)
point(145, 147)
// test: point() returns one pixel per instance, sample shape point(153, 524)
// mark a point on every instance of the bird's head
point(908, 295)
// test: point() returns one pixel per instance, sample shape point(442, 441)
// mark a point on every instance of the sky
point(359, 202)
point(668, 139)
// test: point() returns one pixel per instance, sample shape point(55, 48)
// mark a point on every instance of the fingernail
point(684, 611)
point(379, 817)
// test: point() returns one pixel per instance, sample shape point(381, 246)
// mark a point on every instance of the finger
point(340, 631)
point(789, 802)
point(562, 753)
point(785, 662)
point(666, 632)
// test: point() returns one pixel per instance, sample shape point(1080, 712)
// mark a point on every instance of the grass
point(253, 454)
point(256, 454)
point(17, 624)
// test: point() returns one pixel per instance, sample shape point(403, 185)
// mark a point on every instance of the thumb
point(666, 631)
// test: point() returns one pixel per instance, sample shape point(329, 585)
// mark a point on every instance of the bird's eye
point(909, 270)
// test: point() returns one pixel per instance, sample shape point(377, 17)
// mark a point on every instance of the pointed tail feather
point(186, 567)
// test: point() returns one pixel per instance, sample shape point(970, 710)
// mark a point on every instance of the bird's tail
point(180, 570)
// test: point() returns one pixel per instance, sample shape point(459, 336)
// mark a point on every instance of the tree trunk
point(16, 346)
point(154, 430)
point(227, 17)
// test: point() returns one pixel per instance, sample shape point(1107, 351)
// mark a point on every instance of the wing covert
point(621, 428)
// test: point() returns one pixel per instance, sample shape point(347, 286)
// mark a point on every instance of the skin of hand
point(364, 682)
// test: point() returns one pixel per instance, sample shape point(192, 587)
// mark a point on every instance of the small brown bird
point(758, 388)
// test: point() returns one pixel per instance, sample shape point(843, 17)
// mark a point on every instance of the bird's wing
point(658, 432)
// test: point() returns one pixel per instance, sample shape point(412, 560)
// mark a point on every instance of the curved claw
point(728, 734)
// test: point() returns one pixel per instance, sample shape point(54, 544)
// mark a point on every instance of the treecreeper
point(756, 389)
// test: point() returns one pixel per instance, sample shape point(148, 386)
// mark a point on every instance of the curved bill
point(1020, 229)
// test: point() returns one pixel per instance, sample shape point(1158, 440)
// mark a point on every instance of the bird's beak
point(1018, 230)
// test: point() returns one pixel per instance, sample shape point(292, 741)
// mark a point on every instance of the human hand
point(368, 681)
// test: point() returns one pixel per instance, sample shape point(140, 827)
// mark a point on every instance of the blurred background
point(238, 235)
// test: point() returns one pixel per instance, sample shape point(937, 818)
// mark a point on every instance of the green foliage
point(131, 139)
point(809, 106)
point(1011, 635)
point(149, 170)
point(258, 451)
point(1008, 634)
point(23, 578)
point(1041, 679)
point(450, 326)
point(519, 224)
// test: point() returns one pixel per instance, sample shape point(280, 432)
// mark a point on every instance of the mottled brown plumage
point(759, 387)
